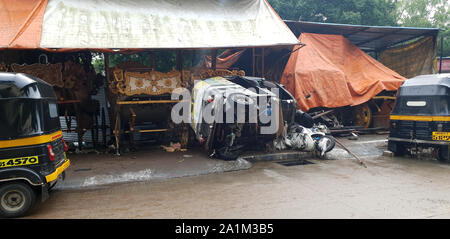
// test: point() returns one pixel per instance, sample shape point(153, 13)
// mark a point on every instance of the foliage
point(408, 13)
point(363, 12)
point(427, 13)
point(165, 61)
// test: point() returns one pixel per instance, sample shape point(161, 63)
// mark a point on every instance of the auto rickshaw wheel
point(397, 148)
point(442, 154)
point(362, 115)
point(16, 199)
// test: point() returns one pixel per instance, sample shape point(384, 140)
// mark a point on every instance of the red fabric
point(332, 72)
point(224, 60)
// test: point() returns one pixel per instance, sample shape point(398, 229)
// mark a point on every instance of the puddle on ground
point(295, 163)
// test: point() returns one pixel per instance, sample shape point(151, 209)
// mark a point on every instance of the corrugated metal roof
point(369, 38)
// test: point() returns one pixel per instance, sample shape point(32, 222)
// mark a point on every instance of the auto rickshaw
point(226, 137)
point(421, 116)
point(32, 149)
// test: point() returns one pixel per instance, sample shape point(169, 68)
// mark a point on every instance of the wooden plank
point(381, 97)
point(141, 102)
point(148, 130)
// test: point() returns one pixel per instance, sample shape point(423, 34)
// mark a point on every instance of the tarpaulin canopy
point(21, 23)
point(332, 72)
point(368, 38)
point(140, 24)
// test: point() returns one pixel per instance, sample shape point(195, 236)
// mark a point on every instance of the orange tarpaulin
point(332, 72)
point(21, 23)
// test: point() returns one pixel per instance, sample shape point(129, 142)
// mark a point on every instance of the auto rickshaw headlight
point(394, 125)
point(439, 127)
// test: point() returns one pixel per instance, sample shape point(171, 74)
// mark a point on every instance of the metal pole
point(262, 62)
point(350, 152)
point(253, 61)
point(107, 92)
point(442, 52)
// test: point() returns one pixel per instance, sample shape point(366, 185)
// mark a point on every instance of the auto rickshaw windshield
point(422, 105)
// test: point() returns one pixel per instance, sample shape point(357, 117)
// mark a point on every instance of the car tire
point(16, 199)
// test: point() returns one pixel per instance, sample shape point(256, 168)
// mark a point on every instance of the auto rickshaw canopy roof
point(19, 85)
point(121, 25)
point(426, 85)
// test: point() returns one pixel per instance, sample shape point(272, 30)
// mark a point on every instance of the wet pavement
point(336, 187)
point(95, 169)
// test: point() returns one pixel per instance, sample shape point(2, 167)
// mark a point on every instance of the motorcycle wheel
point(330, 145)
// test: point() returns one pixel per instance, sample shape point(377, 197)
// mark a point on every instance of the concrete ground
point(337, 187)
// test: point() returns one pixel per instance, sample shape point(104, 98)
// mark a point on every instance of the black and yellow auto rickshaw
point(32, 150)
point(421, 116)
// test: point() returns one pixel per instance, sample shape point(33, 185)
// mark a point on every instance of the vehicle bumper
point(419, 141)
point(59, 170)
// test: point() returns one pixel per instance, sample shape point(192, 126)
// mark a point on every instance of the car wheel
point(16, 199)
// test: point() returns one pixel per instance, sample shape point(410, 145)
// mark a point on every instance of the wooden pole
point(179, 60)
point(214, 60)
point(153, 60)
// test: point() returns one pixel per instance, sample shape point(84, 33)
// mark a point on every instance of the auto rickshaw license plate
point(18, 161)
point(443, 136)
